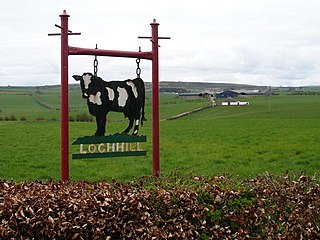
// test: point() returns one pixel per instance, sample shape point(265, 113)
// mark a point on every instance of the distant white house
point(235, 103)
point(232, 102)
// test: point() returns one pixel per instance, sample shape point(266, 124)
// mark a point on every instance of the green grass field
point(274, 134)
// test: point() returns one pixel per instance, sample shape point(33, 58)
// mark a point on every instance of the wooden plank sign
point(116, 145)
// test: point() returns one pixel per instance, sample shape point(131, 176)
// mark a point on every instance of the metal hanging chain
point(138, 71)
point(95, 64)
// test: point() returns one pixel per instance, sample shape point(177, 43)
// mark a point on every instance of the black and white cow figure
point(118, 96)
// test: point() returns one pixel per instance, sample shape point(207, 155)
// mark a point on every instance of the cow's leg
point(136, 127)
point(127, 130)
point(101, 125)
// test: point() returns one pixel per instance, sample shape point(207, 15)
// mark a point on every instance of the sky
point(257, 42)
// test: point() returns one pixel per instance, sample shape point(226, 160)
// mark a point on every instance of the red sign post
point(67, 50)
point(64, 98)
point(155, 101)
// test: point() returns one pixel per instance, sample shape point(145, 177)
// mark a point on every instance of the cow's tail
point(142, 114)
point(143, 103)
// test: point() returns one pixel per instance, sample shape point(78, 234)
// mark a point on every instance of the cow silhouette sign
point(118, 96)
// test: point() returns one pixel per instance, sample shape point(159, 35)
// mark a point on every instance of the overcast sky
point(264, 42)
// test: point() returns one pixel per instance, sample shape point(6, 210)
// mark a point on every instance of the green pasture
point(274, 134)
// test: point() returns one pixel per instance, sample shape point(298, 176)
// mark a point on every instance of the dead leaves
point(196, 208)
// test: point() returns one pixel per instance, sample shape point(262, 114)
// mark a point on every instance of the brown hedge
point(193, 208)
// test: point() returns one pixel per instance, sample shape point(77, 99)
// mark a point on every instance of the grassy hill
point(274, 134)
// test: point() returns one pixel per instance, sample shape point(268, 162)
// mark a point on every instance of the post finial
point(64, 14)
point(154, 22)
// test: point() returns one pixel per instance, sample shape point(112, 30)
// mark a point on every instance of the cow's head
point(86, 83)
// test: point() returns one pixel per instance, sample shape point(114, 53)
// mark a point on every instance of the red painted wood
point(64, 98)
point(155, 101)
point(109, 53)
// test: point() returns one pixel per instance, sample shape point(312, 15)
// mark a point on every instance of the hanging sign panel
point(117, 145)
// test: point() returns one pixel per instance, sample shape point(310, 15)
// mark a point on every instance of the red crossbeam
point(110, 53)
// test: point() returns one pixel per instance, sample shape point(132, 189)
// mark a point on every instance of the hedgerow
point(266, 207)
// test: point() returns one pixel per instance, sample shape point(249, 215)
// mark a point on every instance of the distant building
point(239, 93)
point(195, 95)
point(249, 92)
point(227, 94)
point(238, 103)
point(268, 92)
point(232, 102)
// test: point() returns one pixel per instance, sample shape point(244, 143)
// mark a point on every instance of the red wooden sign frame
point(67, 50)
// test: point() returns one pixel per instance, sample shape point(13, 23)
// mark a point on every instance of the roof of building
point(241, 91)
point(195, 94)
point(189, 94)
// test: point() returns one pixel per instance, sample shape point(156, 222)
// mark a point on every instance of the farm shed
point(235, 93)
point(195, 95)
point(266, 92)
point(227, 94)
point(249, 92)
